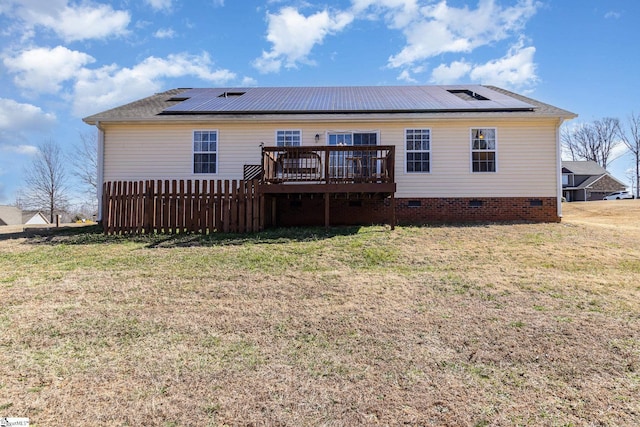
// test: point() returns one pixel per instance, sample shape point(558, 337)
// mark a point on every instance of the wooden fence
point(182, 206)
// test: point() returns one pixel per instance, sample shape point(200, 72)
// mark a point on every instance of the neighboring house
point(10, 215)
point(587, 180)
point(442, 153)
point(34, 218)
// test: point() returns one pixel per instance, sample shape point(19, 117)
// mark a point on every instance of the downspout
point(559, 169)
point(100, 171)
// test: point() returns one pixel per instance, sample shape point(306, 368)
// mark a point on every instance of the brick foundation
point(480, 209)
point(308, 210)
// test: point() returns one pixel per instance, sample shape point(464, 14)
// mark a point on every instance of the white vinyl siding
point(528, 156)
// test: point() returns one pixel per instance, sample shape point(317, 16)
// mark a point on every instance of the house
point(587, 180)
point(349, 155)
point(10, 215)
point(34, 218)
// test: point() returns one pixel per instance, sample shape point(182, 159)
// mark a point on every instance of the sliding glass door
point(347, 165)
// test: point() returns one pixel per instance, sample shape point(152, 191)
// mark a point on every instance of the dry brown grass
point(525, 324)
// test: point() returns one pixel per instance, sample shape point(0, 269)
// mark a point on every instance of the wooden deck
point(330, 170)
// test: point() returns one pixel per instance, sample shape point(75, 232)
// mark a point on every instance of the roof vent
point(178, 98)
point(467, 95)
point(230, 94)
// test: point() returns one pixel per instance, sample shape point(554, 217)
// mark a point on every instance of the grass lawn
point(522, 324)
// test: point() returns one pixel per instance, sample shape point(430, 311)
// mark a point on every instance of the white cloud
point(294, 35)
point(515, 70)
point(440, 29)
point(18, 117)
point(249, 81)
point(70, 22)
point(449, 74)
point(612, 14)
point(60, 70)
point(405, 76)
point(159, 4)
point(398, 13)
point(28, 150)
point(164, 33)
point(44, 70)
point(110, 86)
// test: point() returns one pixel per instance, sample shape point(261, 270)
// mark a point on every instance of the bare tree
point(85, 161)
point(631, 138)
point(593, 141)
point(46, 180)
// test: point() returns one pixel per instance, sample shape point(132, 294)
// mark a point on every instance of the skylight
point(467, 95)
point(230, 94)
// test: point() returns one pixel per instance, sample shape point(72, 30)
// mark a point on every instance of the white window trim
point(430, 151)
point(471, 150)
point(275, 137)
point(194, 152)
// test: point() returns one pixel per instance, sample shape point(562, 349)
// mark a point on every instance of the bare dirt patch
point(525, 324)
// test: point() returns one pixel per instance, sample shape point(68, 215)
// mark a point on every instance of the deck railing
point(329, 164)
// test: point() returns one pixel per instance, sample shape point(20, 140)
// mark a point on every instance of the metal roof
point(330, 103)
point(343, 100)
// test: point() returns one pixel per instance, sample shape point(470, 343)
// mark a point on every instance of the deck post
point(393, 211)
point(326, 210)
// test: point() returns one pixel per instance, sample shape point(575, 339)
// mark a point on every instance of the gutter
point(100, 171)
point(559, 169)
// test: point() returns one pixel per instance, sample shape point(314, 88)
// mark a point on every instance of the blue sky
point(61, 60)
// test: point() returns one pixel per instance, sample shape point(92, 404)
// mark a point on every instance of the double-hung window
point(418, 150)
point(483, 150)
point(205, 151)
point(288, 138)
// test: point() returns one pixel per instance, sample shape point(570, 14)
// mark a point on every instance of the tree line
point(597, 140)
point(48, 178)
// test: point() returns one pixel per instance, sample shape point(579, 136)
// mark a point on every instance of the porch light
point(317, 138)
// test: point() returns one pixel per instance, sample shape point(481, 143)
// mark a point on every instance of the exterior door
point(348, 165)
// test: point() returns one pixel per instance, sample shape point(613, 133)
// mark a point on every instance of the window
point(205, 151)
point(288, 138)
point(483, 150)
point(353, 138)
point(418, 150)
point(340, 139)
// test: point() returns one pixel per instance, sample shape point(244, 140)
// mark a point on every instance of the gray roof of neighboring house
point(203, 103)
point(10, 215)
point(584, 167)
point(587, 168)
